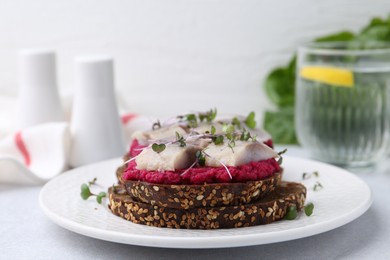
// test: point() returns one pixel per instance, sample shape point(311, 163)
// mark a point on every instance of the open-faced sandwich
point(204, 173)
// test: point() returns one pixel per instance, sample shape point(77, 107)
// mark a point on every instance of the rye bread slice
point(264, 211)
point(184, 196)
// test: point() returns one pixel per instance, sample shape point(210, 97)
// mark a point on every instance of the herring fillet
point(172, 158)
point(158, 134)
point(241, 153)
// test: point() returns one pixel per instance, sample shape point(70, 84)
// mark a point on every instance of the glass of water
point(343, 101)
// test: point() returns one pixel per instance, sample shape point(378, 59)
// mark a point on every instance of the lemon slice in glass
point(328, 75)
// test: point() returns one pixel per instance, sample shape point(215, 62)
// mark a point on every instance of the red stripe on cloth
point(22, 148)
point(128, 117)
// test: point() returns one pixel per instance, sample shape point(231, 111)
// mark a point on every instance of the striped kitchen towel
point(37, 154)
point(34, 155)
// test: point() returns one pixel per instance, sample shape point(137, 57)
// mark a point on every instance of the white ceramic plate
point(344, 197)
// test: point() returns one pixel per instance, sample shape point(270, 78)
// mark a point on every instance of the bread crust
point(183, 196)
point(268, 209)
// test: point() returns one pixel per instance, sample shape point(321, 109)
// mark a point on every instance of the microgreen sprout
point(90, 183)
point(245, 135)
point(309, 209)
point(200, 157)
point(306, 175)
point(193, 119)
point(180, 139)
point(86, 193)
point(231, 144)
point(156, 125)
point(100, 196)
point(250, 120)
point(280, 160)
point(282, 152)
point(228, 128)
point(218, 139)
point(190, 119)
point(213, 130)
point(236, 122)
point(317, 186)
point(291, 213)
point(158, 148)
point(209, 116)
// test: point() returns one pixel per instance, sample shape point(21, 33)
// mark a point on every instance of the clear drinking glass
point(342, 101)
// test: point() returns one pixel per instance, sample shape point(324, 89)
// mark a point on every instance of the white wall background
point(174, 55)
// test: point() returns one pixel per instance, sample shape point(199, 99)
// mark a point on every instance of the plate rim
point(224, 241)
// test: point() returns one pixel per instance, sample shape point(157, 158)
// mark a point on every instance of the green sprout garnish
point(245, 135)
point(158, 148)
point(306, 175)
point(309, 209)
point(218, 139)
point(236, 122)
point(90, 183)
point(209, 116)
point(180, 139)
point(317, 186)
point(192, 119)
point(228, 128)
point(291, 213)
point(100, 196)
point(282, 152)
point(86, 193)
point(250, 120)
point(280, 160)
point(156, 125)
point(201, 158)
point(231, 144)
point(213, 130)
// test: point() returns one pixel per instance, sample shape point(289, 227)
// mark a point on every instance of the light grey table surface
point(28, 234)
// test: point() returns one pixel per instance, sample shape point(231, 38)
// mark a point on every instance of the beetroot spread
point(269, 143)
point(200, 175)
point(135, 148)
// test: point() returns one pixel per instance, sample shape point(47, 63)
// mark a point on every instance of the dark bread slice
point(264, 211)
point(185, 196)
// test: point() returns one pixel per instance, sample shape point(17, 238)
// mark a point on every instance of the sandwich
point(201, 172)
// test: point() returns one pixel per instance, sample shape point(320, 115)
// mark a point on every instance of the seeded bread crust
point(263, 211)
point(183, 196)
